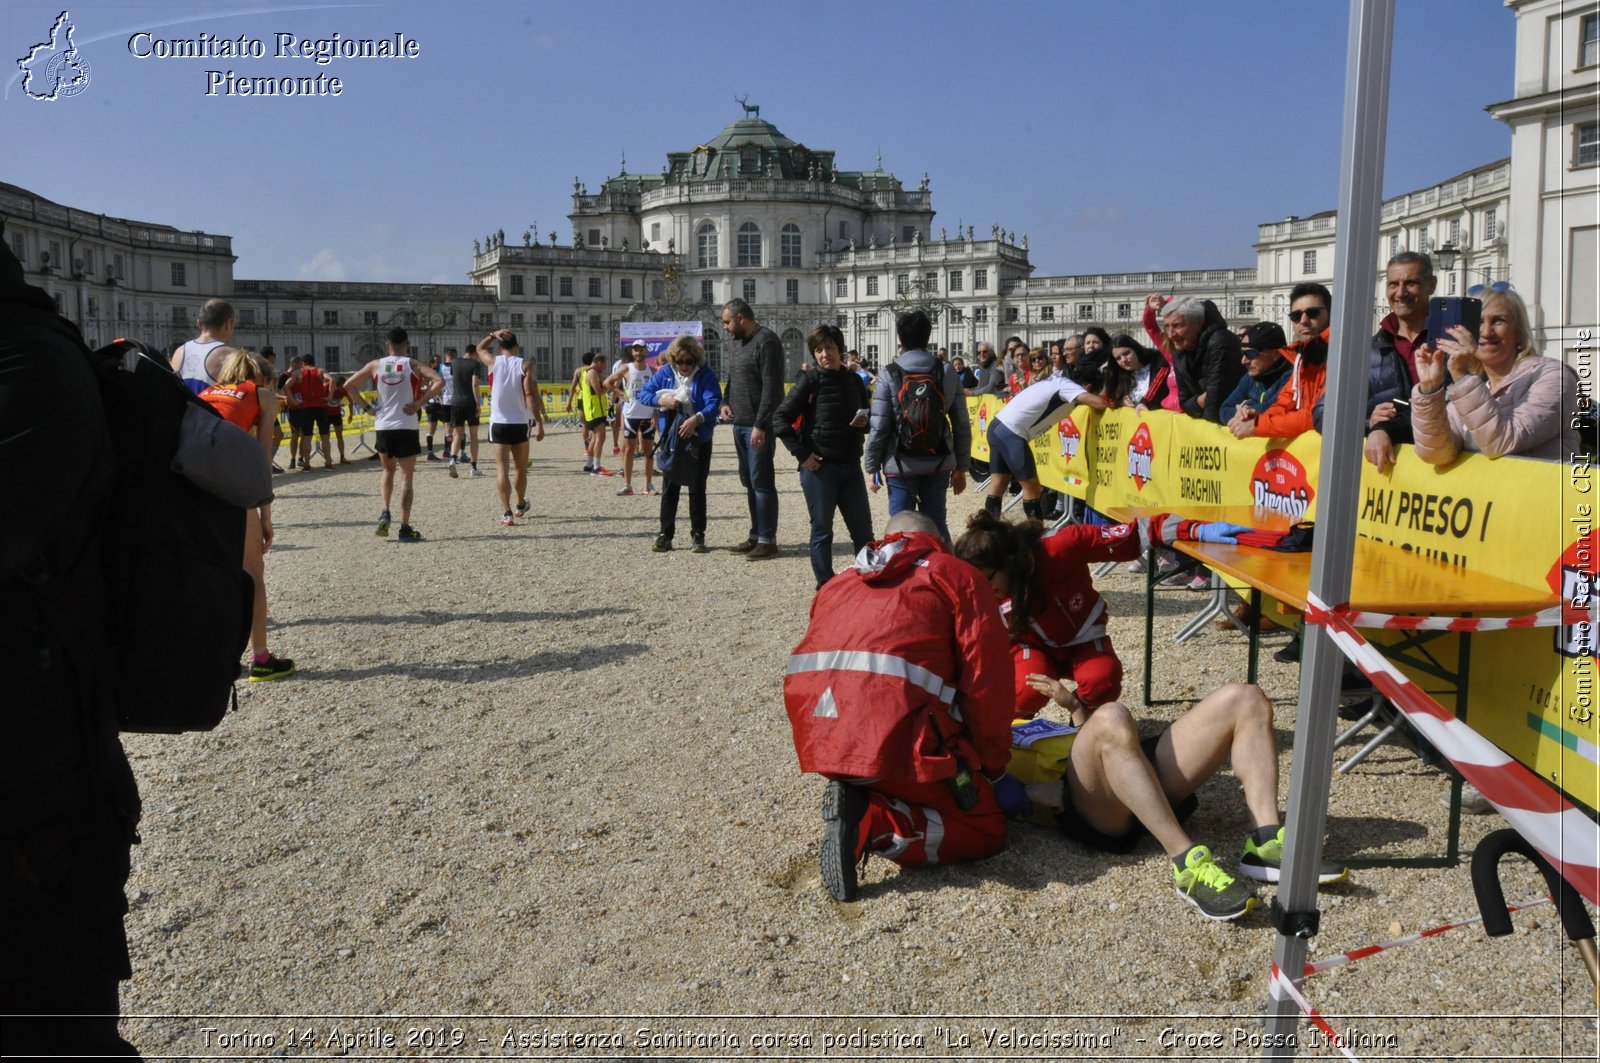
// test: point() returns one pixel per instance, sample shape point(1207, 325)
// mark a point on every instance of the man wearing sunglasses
point(1292, 413)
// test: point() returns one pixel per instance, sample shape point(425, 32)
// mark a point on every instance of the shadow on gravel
point(485, 671)
point(1372, 834)
point(431, 617)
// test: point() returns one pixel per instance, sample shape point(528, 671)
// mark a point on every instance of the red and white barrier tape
point(1280, 982)
point(1352, 955)
point(1562, 834)
point(1555, 616)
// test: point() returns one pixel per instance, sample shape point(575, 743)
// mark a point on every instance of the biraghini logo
point(1141, 456)
point(1279, 485)
point(1071, 438)
point(55, 68)
point(1573, 577)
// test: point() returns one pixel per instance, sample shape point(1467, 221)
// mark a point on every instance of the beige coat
point(1529, 413)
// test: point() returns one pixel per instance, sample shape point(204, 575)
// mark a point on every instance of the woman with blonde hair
point(686, 394)
point(1500, 396)
point(244, 397)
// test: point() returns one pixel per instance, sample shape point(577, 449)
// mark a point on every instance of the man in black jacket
point(750, 398)
point(1205, 355)
point(1392, 370)
point(71, 805)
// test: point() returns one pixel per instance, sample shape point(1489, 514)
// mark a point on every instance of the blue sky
point(1143, 134)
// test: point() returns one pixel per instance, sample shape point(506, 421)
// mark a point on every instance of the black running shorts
point(508, 434)
point(397, 442)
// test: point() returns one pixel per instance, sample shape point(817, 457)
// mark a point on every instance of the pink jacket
point(1529, 413)
point(1152, 328)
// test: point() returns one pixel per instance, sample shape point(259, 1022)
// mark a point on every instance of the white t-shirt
point(447, 397)
point(633, 408)
point(1038, 406)
point(398, 386)
point(506, 405)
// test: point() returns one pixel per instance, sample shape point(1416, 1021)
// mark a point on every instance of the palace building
point(752, 213)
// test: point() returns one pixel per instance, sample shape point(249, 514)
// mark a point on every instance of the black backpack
point(180, 599)
point(920, 427)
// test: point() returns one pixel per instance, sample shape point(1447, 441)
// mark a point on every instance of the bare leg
point(627, 461)
point(473, 429)
point(408, 469)
point(256, 566)
point(1112, 783)
point(649, 460)
point(386, 481)
point(502, 475)
point(519, 456)
point(1233, 722)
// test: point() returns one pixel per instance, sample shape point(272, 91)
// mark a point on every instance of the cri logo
point(1279, 485)
point(1071, 439)
point(1141, 456)
point(983, 417)
point(1573, 577)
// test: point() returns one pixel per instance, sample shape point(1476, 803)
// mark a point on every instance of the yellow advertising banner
point(1532, 692)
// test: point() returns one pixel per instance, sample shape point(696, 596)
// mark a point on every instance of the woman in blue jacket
point(686, 392)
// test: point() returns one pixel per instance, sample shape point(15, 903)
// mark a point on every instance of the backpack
point(179, 598)
point(921, 425)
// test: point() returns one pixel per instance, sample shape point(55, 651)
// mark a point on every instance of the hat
point(1265, 336)
point(640, 343)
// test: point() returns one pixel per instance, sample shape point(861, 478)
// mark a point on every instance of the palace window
point(749, 244)
point(789, 247)
point(980, 280)
point(1586, 144)
point(516, 284)
point(625, 288)
point(956, 279)
point(791, 291)
point(564, 286)
point(872, 285)
point(706, 239)
point(541, 285)
point(179, 275)
point(749, 288)
point(1308, 262)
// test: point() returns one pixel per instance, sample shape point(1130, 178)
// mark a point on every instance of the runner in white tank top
point(506, 405)
point(192, 367)
point(403, 386)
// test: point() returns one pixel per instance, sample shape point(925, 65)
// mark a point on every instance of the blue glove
point(1219, 531)
point(1012, 796)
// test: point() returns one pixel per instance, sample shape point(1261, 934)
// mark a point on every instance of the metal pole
point(1366, 104)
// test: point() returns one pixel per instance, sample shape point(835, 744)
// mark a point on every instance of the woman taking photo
point(1501, 396)
point(244, 397)
point(823, 422)
point(686, 392)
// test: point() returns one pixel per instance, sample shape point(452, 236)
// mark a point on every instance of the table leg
point(1149, 618)
point(1253, 668)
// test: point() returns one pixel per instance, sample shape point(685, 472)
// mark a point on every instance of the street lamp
point(1449, 255)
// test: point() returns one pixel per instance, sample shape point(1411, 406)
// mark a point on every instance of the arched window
point(707, 246)
point(789, 247)
point(749, 244)
point(794, 349)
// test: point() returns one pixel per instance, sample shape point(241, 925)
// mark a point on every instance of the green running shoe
point(383, 525)
point(1201, 882)
point(1264, 862)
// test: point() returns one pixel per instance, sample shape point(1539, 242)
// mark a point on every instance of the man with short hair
point(467, 372)
point(199, 361)
point(1392, 366)
point(513, 401)
point(989, 379)
point(1205, 356)
point(750, 398)
point(638, 417)
point(592, 395)
point(404, 385)
point(1310, 310)
point(309, 385)
point(919, 479)
point(1264, 367)
point(915, 740)
point(1035, 410)
point(436, 413)
point(292, 407)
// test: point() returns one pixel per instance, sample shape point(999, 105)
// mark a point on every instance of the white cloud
point(322, 266)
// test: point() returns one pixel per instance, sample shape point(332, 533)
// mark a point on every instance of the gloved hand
point(1011, 795)
point(1219, 531)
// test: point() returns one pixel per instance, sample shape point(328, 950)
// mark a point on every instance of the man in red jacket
point(900, 694)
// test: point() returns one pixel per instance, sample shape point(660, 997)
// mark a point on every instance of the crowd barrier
point(1525, 521)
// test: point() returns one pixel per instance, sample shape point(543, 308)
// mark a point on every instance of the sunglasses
point(1496, 288)
point(1312, 312)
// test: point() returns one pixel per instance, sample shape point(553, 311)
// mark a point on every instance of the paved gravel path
point(532, 793)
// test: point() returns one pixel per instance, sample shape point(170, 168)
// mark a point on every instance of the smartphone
point(1443, 313)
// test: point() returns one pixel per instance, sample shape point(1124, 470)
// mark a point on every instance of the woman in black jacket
point(823, 422)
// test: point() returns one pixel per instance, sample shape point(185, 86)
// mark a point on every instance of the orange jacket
point(1297, 402)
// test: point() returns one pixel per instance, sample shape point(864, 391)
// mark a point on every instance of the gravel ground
point(532, 792)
